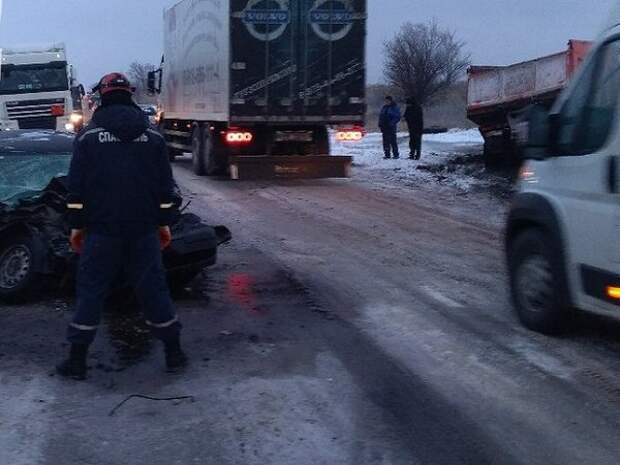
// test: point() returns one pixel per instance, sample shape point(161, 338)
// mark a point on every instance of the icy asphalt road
point(350, 322)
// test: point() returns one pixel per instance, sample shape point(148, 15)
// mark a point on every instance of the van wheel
point(198, 158)
point(17, 274)
point(538, 293)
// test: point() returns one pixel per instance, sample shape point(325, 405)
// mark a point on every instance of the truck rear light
point(349, 135)
point(613, 292)
point(239, 137)
point(58, 110)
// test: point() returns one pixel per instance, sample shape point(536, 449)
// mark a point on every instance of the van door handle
point(613, 174)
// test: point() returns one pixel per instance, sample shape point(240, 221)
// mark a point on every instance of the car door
point(585, 176)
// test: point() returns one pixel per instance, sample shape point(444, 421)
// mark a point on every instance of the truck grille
point(45, 122)
point(34, 114)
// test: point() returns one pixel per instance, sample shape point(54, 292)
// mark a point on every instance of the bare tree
point(423, 60)
point(138, 74)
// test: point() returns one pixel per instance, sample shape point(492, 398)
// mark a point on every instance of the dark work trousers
point(415, 144)
point(104, 259)
point(390, 143)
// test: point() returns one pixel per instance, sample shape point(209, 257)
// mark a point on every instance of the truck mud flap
point(289, 167)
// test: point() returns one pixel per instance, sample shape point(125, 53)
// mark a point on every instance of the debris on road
point(140, 396)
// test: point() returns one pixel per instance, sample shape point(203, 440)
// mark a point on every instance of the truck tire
point(174, 153)
point(198, 158)
point(538, 296)
point(322, 141)
point(212, 159)
point(18, 279)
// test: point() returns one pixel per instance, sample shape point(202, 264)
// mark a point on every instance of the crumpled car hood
point(45, 212)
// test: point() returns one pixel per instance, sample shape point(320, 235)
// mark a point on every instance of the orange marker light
point(236, 137)
point(613, 292)
point(349, 136)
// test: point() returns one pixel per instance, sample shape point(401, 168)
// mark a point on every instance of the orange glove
point(165, 237)
point(77, 240)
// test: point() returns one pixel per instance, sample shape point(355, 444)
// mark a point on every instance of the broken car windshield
point(26, 175)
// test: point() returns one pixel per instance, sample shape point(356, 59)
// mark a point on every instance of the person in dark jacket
point(121, 200)
point(414, 116)
point(388, 124)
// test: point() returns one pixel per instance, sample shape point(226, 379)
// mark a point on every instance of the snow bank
point(452, 158)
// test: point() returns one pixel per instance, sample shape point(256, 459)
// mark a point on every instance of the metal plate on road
point(289, 167)
point(294, 136)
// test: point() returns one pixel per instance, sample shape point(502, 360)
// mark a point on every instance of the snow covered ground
point(451, 159)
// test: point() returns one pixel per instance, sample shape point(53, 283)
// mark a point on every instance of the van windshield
point(24, 79)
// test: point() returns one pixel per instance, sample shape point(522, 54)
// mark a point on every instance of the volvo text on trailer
point(255, 85)
point(38, 90)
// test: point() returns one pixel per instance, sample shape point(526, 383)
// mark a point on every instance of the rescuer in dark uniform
point(414, 116)
point(121, 198)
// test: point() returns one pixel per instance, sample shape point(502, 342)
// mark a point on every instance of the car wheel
point(17, 274)
point(538, 293)
point(198, 158)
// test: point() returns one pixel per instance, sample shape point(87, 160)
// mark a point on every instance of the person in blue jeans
point(388, 124)
point(120, 205)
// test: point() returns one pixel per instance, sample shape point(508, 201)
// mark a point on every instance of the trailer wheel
point(212, 162)
point(198, 159)
point(322, 141)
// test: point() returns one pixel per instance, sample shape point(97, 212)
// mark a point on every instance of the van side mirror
point(539, 133)
point(153, 84)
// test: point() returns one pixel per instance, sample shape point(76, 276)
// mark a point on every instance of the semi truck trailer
point(254, 87)
point(38, 90)
point(498, 96)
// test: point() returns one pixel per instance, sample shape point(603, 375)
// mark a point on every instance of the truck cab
point(564, 223)
point(38, 90)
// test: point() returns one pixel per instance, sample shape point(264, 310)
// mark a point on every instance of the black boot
point(175, 357)
point(75, 366)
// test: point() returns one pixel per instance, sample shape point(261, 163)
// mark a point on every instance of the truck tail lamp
point(349, 135)
point(613, 292)
point(239, 137)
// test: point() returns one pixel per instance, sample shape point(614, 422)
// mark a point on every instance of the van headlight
point(70, 127)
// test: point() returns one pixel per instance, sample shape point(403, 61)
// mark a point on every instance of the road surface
point(349, 322)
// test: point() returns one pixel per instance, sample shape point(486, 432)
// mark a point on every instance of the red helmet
point(114, 81)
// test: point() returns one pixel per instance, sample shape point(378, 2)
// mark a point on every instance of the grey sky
point(107, 35)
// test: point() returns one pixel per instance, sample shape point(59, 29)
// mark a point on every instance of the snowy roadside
point(451, 172)
point(451, 159)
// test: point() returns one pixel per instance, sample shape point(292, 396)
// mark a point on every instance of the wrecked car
point(34, 247)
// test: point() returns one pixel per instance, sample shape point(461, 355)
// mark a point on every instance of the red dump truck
point(498, 95)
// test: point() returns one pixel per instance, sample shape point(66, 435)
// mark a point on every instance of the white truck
point(38, 90)
point(251, 87)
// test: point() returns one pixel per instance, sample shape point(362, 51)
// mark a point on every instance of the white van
point(563, 232)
